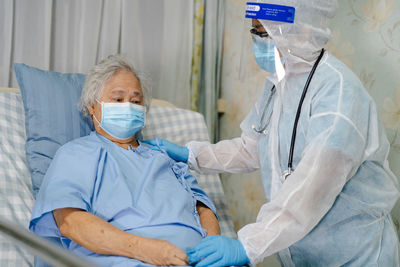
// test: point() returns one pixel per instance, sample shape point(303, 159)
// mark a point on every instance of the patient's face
point(123, 86)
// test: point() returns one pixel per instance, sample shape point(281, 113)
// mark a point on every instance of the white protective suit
point(334, 209)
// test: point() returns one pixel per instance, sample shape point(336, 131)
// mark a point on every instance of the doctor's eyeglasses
point(261, 34)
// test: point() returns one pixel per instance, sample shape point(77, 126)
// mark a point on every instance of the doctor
point(315, 133)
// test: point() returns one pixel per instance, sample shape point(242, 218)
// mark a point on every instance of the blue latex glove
point(218, 250)
point(176, 152)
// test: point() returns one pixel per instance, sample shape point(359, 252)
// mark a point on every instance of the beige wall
point(366, 36)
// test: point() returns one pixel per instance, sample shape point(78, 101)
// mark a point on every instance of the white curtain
point(73, 35)
point(211, 65)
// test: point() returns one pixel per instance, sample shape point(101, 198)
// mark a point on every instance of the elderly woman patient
point(111, 198)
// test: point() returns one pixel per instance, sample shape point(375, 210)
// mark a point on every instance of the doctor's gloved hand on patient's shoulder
point(176, 152)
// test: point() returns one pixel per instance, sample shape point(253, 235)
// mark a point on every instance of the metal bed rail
point(49, 252)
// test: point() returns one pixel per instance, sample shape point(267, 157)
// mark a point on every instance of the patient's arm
point(102, 237)
point(208, 219)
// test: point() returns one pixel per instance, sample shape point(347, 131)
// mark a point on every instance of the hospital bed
point(16, 198)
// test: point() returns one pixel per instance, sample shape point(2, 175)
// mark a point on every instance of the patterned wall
point(366, 36)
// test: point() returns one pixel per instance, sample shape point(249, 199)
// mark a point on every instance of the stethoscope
point(263, 129)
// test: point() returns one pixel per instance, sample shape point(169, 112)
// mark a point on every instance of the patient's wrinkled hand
point(160, 252)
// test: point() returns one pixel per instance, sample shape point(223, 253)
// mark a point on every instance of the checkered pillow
point(16, 200)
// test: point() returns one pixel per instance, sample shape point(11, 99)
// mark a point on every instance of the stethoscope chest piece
point(265, 131)
point(285, 175)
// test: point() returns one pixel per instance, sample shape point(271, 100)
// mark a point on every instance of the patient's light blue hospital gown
point(141, 191)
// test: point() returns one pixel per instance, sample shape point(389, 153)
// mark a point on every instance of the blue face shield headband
point(121, 120)
point(272, 12)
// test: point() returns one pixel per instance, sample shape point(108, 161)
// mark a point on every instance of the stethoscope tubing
point(296, 121)
point(262, 129)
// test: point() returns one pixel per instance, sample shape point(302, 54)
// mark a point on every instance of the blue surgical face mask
point(264, 53)
point(121, 120)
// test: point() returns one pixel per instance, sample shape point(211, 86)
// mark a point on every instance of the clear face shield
point(257, 39)
point(298, 28)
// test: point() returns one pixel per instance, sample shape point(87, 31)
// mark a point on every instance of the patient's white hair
point(99, 75)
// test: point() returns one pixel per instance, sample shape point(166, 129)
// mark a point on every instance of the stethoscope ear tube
point(263, 129)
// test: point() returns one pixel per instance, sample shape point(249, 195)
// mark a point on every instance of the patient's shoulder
point(82, 145)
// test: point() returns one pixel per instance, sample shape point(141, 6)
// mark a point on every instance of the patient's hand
point(160, 252)
point(102, 237)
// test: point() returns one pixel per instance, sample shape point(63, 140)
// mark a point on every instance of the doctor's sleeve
point(238, 155)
